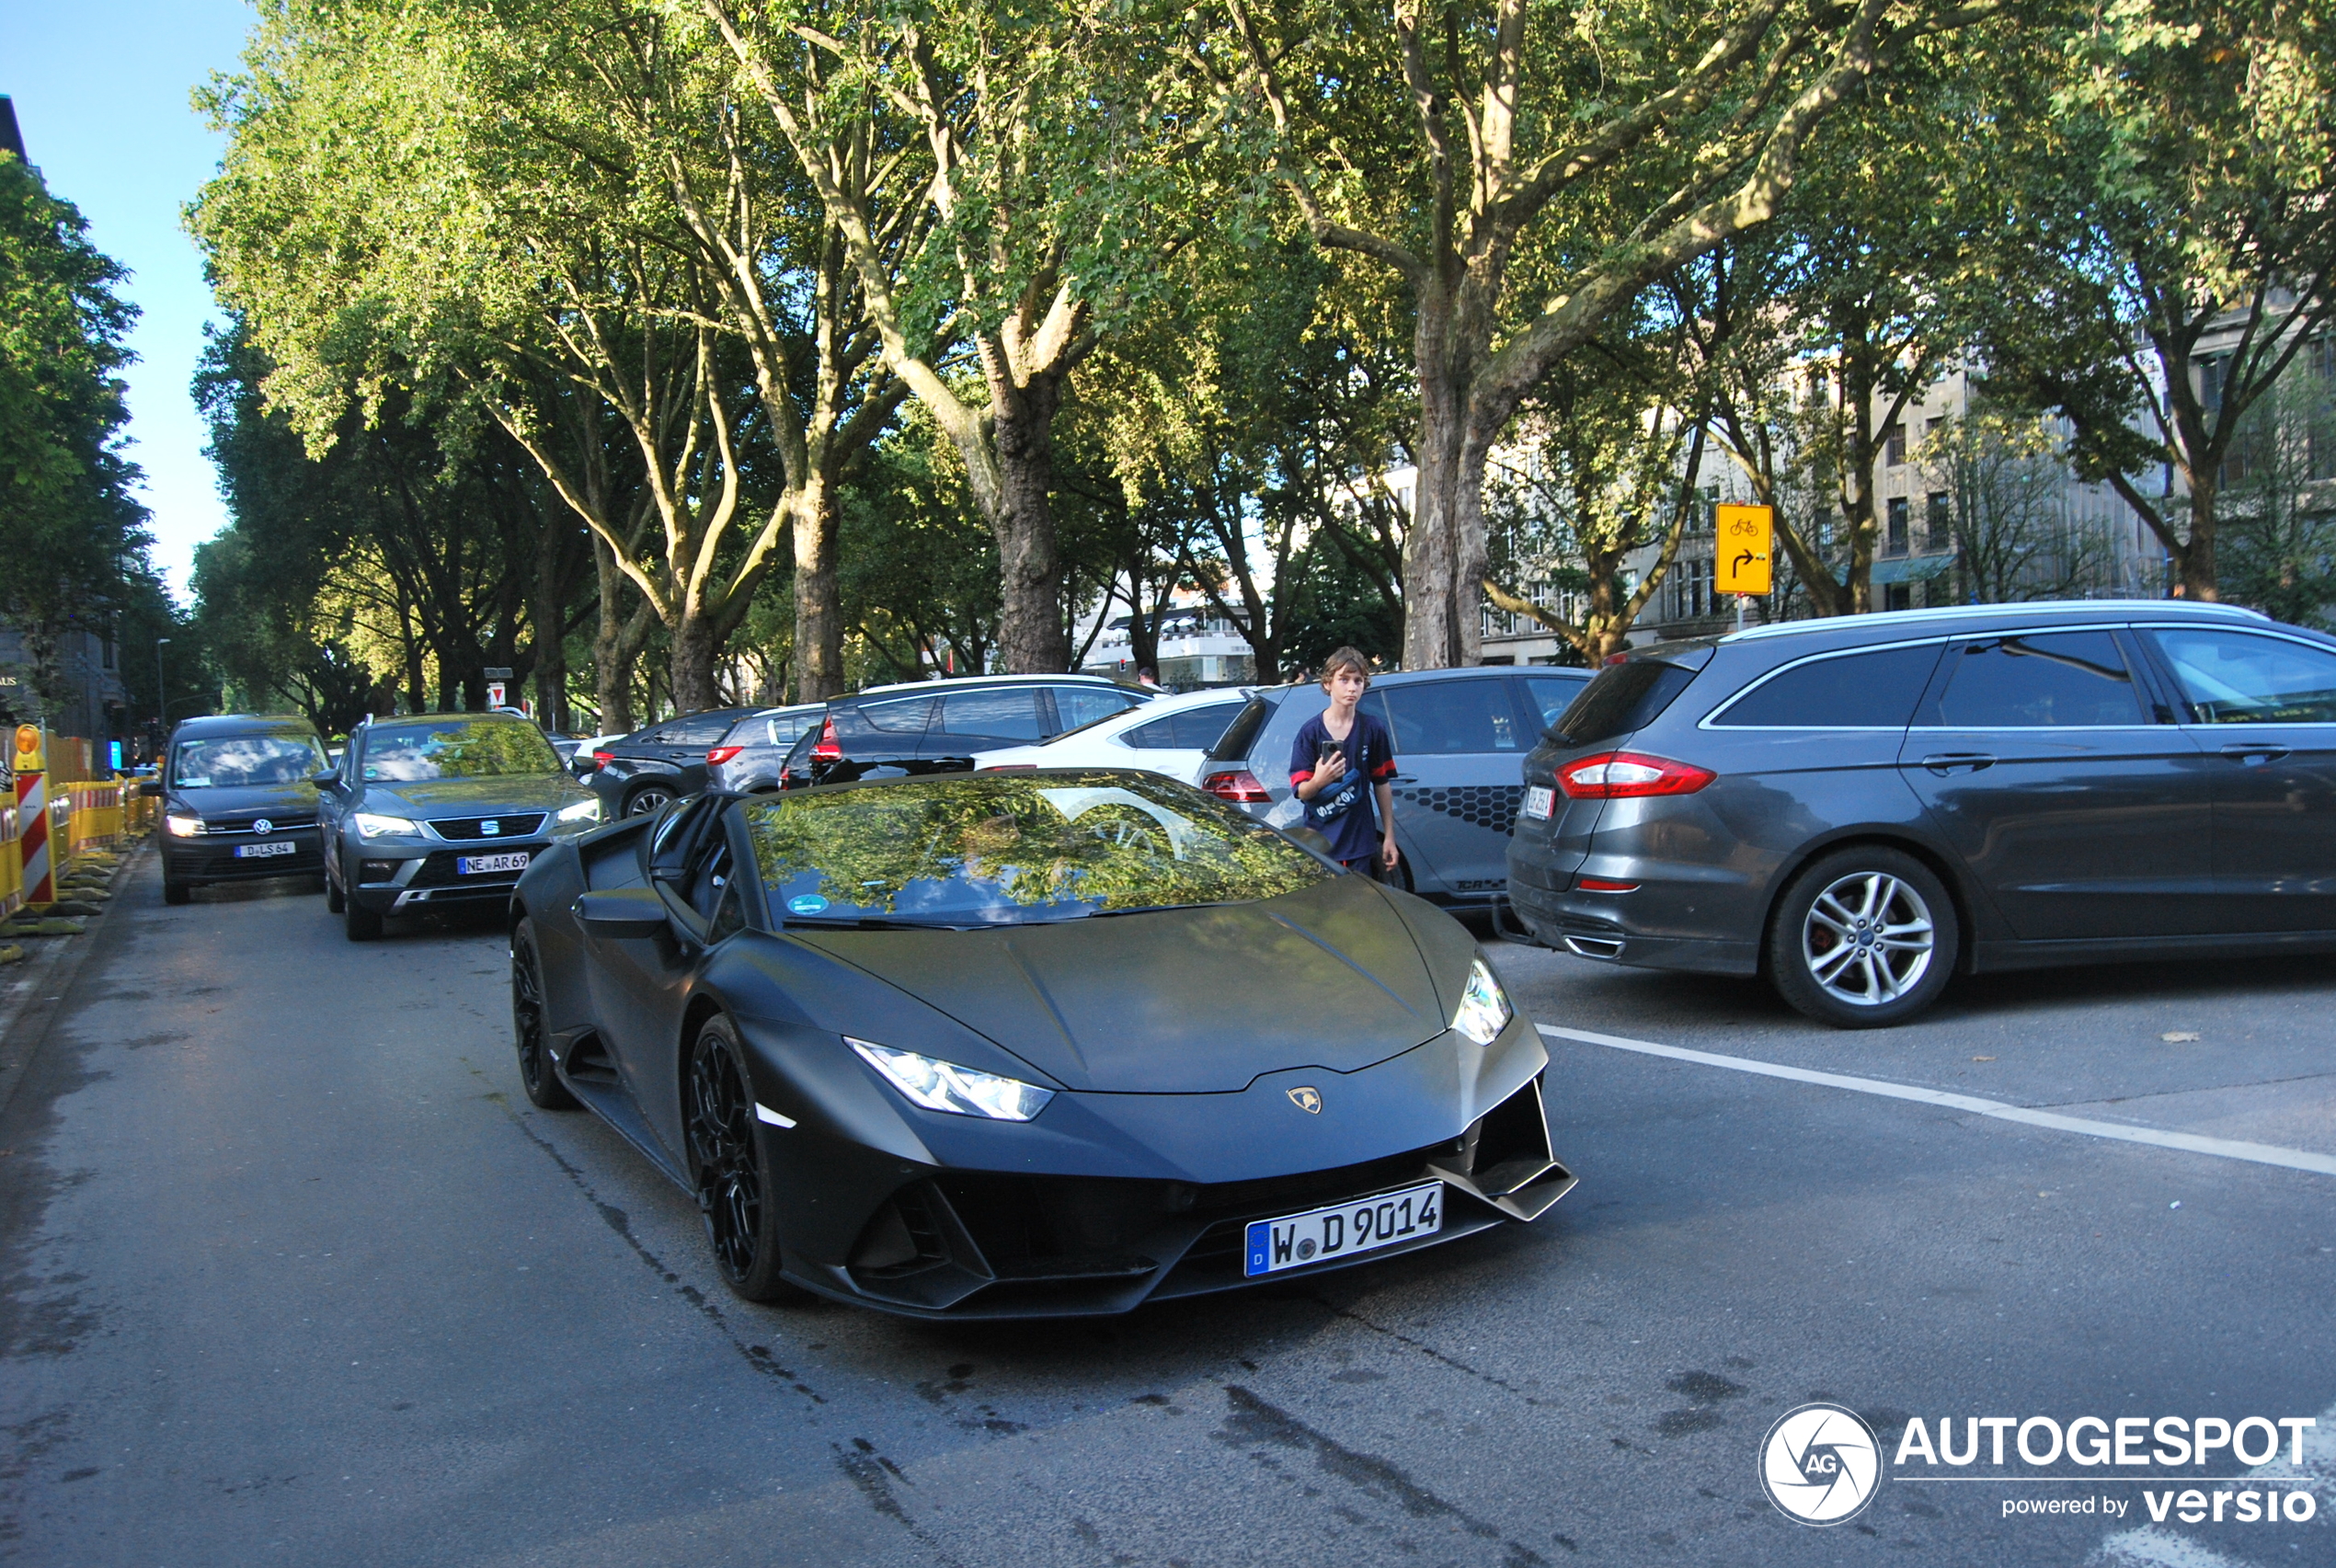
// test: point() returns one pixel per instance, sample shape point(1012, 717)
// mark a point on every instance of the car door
point(2043, 761)
point(2261, 708)
point(639, 985)
point(983, 719)
point(683, 742)
point(1460, 753)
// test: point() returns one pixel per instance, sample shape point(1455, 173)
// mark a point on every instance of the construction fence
point(86, 813)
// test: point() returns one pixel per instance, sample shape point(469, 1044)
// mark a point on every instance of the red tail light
point(827, 748)
point(1626, 776)
point(1237, 784)
point(1605, 885)
point(718, 755)
point(602, 759)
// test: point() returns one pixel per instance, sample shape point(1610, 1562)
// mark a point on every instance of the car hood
point(1182, 1001)
point(463, 797)
point(294, 801)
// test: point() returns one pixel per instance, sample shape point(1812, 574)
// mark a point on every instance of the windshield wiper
point(1158, 908)
point(868, 923)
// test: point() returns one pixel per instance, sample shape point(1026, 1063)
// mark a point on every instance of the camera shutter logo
point(1820, 1464)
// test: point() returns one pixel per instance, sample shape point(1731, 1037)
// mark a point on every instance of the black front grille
point(277, 826)
point(467, 828)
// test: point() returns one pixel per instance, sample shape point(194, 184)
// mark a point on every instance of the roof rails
point(1967, 612)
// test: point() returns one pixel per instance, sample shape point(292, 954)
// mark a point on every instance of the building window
point(1894, 445)
point(1937, 533)
point(1895, 543)
point(1897, 596)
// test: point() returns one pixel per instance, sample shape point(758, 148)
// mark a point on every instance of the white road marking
point(2221, 1148)
point(2154, 1546)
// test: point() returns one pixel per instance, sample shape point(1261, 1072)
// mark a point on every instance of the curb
point(36, 988)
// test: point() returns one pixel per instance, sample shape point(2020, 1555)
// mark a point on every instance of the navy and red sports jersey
point(1345, 813)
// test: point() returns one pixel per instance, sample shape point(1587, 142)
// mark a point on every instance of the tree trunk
point(2195, 562)
point(1031, 638)
point(818, 597)
point(611, 658)
point(1431, 632)
point(695, 656)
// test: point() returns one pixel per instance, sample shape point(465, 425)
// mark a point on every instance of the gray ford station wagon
point(1859, 808)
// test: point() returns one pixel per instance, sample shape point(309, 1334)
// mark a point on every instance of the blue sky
point(101, 96)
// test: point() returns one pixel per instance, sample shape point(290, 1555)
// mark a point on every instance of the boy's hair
point(1344, 658)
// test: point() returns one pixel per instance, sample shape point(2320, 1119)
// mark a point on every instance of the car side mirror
point(150, 787)
point(327, 778)
point(621, 912)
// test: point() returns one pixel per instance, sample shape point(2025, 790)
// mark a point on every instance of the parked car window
point(1874, 690)
point(697, 729)
point(901, 715)
point(2232, 678)
point(2048, 679)
point(1190, 729)
point(454, 748)
point(235, 760)
point(1011, 713)
point(1622, 698)
point(1078, 706)
point(1439, 718)
point(1233, 745)
point(1553, 694)
point(787, 730)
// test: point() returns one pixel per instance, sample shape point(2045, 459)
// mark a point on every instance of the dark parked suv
point(661, 763)
point(1859, 807)
point(935, 727)
point(1461, 741)
point(237, 801)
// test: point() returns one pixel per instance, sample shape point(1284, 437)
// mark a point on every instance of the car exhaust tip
point(1593, 947)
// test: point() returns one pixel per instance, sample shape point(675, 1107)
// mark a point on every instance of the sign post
point(32, 817)
point(1741, 566)
point(496, 677)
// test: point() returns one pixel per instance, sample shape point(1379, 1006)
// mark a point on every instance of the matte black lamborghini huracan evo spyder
point(1021, 1044)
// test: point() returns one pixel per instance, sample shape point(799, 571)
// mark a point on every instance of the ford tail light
point(1237, 784)
point(827, 748)
point(718, 755)
point(1627, 775)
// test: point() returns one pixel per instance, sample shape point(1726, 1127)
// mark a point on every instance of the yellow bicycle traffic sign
point(1745, 535)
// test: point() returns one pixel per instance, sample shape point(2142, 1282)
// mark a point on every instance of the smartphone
point(1324, 749)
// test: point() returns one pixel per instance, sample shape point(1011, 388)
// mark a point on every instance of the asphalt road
point(293, 1274)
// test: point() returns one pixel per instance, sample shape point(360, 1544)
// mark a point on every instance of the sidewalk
point(30, 991)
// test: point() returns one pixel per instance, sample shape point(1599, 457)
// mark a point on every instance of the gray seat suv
point(1859, 808)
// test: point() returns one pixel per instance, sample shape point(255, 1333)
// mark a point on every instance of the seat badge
point(489, 828)
point(263, 826)
point(1307, 1098)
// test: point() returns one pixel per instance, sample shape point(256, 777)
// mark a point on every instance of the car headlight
point(946, 1086)
point(369, 826)
point(183, 827)
point(1483, 1010)
point(581, 815)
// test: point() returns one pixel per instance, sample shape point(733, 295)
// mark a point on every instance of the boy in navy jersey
point(1340, 764)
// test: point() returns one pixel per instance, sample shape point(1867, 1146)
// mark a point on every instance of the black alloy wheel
point(1864, 938)
point(647, 799)
point(364, 924)
point(727, 1160)
point(175, 892)
point(536, 1073)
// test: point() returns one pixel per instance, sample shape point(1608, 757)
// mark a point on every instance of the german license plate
point(1362, 1226)
point(479, 865)
point(258, 851)
point(1539, 801)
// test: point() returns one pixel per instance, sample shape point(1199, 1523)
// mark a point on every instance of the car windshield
point(456, 748)
point(233, 760)
point(991, 848)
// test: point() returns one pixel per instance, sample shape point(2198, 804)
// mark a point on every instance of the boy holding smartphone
point(1340, 764)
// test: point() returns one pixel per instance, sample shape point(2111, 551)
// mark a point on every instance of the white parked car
point(1167, 734)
